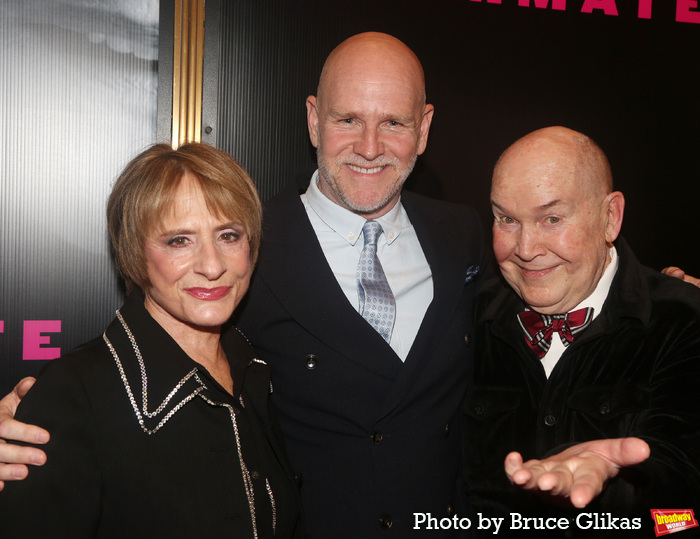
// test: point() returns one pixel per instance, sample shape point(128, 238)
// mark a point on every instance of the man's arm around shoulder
point(13, 458)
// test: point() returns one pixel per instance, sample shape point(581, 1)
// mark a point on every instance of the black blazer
point(635, 371)
point(106, 477)
point(373, 439)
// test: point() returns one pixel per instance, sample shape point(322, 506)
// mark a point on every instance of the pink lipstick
point(208, 294)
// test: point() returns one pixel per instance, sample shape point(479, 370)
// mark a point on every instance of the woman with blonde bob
point(161, 427)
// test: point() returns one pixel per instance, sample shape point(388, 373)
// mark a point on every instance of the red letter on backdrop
point(33, 339)
point(607, 5)
point(556, 4)
point(683, 13)
point(644, 11)
point(489, 1)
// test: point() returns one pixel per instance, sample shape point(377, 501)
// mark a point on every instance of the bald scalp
point(593, 166)
point(371, 49)
point(588, 162)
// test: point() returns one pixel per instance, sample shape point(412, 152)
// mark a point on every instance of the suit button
point(376, 436)
point(605, 408)
point(467, 339)
point(447, 429)
point(550, 420)
point(311, 361)
point(385, 522)
point(450, 510)
point(299, 480)
point(479, 408)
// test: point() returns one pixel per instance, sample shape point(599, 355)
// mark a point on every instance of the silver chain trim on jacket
point(274, 507)
point(144, 384)
point(247, 480)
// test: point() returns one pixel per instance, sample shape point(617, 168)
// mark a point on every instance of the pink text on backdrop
point(34, 337)
point(686, 10)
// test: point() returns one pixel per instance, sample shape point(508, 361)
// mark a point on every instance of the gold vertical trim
point(184, 74)
point(177, 47)
point(188, 60)
point(199, 72)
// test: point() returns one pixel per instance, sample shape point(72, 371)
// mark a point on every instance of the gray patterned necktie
point(377, 304)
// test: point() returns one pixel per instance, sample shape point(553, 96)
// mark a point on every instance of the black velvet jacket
point(107, 477)
point(635, 371)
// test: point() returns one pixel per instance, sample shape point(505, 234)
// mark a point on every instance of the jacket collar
point(165, 363)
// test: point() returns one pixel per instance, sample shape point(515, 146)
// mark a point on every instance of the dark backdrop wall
point(495, 71)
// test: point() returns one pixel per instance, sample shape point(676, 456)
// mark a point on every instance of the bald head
point(555, 216)
point(377, 53)
point(369, 122)
point(577, 156)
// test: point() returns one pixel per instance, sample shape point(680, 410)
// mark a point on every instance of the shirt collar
point(347, 224)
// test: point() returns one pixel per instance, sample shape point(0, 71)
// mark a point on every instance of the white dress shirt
point(339, 232)
point(595, 300)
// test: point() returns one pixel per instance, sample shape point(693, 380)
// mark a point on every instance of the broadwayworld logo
point(673, 520)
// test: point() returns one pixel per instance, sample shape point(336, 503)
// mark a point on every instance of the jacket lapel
point(444, 244)
point(307, 288)
point(447, 253)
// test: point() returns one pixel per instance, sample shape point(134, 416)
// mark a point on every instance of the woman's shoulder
point(88, 361)
point(85, 356)
point(67, 385)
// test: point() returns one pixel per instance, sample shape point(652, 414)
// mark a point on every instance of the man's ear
point(615, 210)
point(425, 127)
point(312, 119)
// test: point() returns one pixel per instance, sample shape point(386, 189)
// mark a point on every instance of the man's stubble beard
point(333, 185)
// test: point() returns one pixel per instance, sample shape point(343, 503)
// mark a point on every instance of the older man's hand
point(13, 458)
point(578, 473)
point(678, 273)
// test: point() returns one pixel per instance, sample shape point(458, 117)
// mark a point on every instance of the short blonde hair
point(145, 190)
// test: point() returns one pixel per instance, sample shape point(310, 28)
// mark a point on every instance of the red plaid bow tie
point(539, 328)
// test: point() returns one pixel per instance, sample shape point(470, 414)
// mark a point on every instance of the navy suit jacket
point(373, 439)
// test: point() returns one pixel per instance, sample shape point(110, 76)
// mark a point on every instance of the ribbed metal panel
point(77, 100)
point(266, 73)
